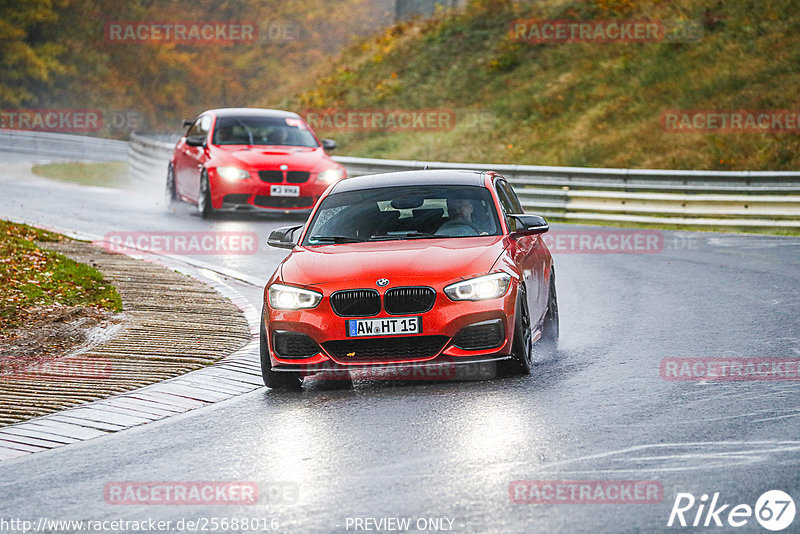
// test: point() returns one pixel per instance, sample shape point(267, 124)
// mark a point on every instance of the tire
point(170, 196)
point(522, 346)
point(286, 380)
point(550, 328)
point(204, 197)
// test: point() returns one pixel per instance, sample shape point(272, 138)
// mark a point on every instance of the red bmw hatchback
point(250, 159)
point(409, 268)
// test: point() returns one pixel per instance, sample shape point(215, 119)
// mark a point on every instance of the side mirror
point(529, 225)
point(328, 144)
point(196, 140)
point(187, 123)
point(283, 237)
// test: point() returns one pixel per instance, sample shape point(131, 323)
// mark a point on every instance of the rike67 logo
point(774, 510)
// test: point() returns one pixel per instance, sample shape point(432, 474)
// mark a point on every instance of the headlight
point(283, 297)
point(486, 287)
point(330, 175)
point(232, 173)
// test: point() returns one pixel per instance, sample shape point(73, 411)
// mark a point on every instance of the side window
point(513, 201)
point(506, 203)
point(200, 127)
point(194, 129)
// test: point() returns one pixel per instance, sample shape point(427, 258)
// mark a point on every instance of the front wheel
point(204, 198)
point(521, 348)
point(286, 380)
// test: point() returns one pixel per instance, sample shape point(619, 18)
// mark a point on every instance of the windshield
point(262, 131)
point(407, 212)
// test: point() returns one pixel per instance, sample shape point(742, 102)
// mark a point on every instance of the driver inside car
point(278, 137)
point(460, 219)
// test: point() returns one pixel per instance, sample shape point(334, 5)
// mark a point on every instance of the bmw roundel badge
point(382, 282)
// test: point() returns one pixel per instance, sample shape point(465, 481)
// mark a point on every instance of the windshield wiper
point(335, 239)
point(408, 235)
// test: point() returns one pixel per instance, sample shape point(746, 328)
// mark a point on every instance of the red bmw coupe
point(250, 159)
point(409, 268)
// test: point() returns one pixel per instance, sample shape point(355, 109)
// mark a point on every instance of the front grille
point(481, 336)
point(283, 202)
point(356, 303)
point(297, 177)
point(400, 300)
point(392, 348)
point(235, 198)
point(272, 177)
point(294, 345)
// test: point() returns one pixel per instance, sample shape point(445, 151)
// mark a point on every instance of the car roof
point(253, 112)
point(411, 178)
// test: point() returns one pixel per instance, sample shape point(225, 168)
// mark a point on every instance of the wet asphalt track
point(595, 410)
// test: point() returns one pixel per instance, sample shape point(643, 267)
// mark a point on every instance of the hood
point(270, 157)
point(419, 261)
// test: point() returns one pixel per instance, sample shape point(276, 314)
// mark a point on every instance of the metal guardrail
point(62, 146)
point(693, 198)
point(148, 158)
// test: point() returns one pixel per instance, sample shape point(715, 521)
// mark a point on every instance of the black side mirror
point(328, 144)
point(283, 237)
point(196, 140)
point(529, 225)
point(187, 123)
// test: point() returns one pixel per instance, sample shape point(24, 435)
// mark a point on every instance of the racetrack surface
point(597, 409)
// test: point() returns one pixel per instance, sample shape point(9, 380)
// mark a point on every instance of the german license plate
point(284, 190)
point(388, 326)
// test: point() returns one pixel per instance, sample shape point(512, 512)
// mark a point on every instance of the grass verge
point(31, 277)
point(104, 174)
point(586, 104)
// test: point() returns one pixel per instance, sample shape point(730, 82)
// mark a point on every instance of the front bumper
point(439, 369)
point(441, 341)
point(252, 194)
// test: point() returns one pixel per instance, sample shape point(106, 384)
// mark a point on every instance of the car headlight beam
point(330, 175)
point(486, 287)
point(232, 173)
point(283, 297)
